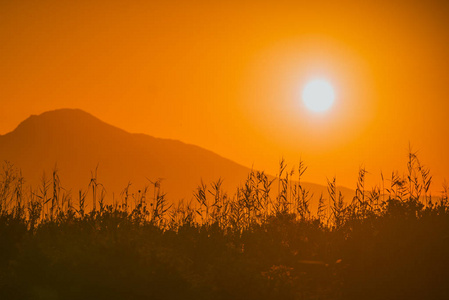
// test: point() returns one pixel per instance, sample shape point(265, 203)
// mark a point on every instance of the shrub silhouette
point(385, 243)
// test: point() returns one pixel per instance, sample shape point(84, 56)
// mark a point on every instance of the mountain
point(77, 142)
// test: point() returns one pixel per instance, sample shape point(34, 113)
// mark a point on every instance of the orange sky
point(227, 75)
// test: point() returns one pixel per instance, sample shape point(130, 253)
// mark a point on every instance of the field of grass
point(388, 242)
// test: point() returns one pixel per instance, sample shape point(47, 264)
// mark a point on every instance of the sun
point(318, 95)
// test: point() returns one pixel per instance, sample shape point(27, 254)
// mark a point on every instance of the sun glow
point(318, 95)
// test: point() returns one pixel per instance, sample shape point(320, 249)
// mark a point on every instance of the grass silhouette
point(390, 242)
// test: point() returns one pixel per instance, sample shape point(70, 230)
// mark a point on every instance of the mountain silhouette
point(77, 142)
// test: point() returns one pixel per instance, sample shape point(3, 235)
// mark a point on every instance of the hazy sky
point(227, 76)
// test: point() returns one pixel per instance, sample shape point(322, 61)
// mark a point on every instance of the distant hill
point(77, 142)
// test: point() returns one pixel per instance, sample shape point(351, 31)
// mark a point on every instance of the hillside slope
point(76, 142)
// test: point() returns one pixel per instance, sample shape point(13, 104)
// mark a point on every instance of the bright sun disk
point(318, 95)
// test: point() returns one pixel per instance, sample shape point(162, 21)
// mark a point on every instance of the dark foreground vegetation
point(390, 242)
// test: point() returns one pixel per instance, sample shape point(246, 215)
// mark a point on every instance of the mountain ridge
point(78, 142)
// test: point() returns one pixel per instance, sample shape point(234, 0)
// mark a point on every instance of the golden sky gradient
point(227, 76)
